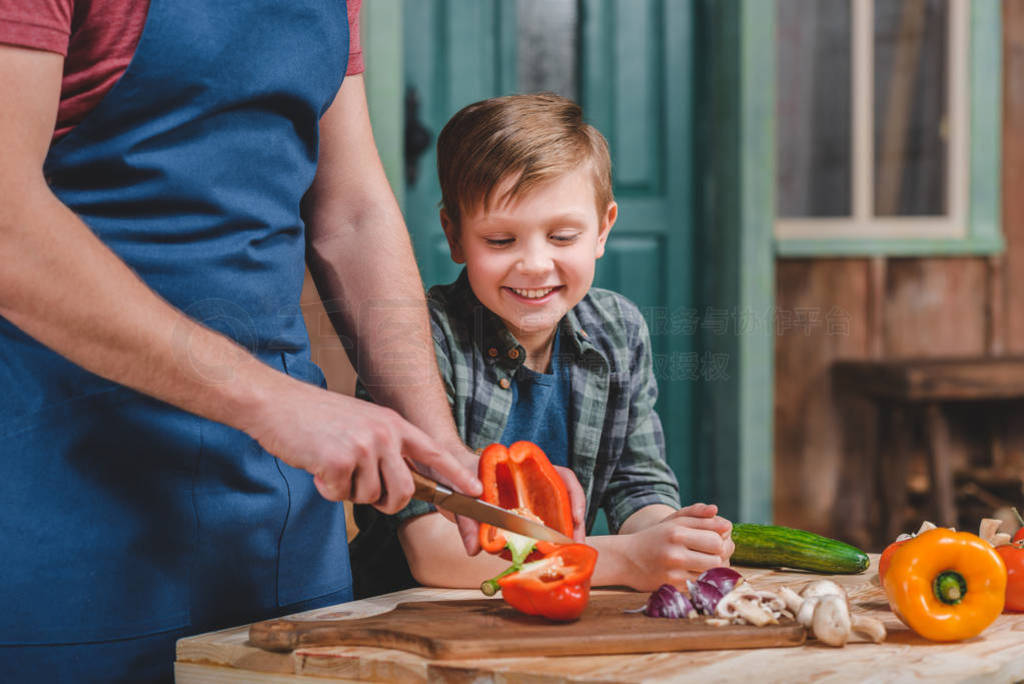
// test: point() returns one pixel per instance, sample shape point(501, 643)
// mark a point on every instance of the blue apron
point(127, 523)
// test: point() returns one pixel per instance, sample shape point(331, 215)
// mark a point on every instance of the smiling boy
point(530, 351)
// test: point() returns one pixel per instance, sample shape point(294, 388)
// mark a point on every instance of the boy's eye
point(498, 242)
point(565, 237)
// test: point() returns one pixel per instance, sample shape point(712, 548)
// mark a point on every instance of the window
point(887, 126)
point(546, 55)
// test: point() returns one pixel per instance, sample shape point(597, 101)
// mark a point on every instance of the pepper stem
point(1016, 514)
point(491, 587)
point(950, 587)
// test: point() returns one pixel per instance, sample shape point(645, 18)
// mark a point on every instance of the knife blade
point(433, 492)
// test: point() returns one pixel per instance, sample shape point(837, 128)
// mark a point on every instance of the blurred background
point(820, 217)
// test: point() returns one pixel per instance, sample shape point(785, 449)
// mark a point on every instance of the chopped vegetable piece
point(556, 587)
point(522, 479)
point(704, 595)
point(724, 579)
point(667, 602)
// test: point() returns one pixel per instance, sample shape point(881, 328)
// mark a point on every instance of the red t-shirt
point(97, 50)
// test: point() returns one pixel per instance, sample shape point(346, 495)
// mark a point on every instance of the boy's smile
point(535, 295)
point(531, 259)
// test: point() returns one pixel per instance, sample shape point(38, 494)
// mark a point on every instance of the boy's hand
point(577, 501)
point(687, 542)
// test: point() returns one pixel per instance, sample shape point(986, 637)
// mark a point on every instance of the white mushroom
point(805, 616)
point(746, 604)
point(988, 528)
point(820, 588)
point(771, 601)
point(1000, 538)
point(792, 599)
point(823, 608)
point(831, 621)
point(869, 627)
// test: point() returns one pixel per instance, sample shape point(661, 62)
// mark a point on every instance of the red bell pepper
point(522, 479)
point(557, 586)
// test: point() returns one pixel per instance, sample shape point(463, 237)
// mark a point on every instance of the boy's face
point(532, 259)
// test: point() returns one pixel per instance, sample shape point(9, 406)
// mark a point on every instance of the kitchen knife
point(481, 511)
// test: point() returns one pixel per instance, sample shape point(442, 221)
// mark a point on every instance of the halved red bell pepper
point(557, 586)
point(522, 479)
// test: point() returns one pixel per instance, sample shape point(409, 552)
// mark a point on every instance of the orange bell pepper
point(946, 585)
point(522, 479)
point(556, 586)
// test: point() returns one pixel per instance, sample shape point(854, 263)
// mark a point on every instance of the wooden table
point(909, 394)
point(996, 656)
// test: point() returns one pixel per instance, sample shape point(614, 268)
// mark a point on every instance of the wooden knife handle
point(426, 489)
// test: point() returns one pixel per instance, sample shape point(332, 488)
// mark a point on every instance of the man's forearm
point(381, 308)
point(64, 287)
point(362, 262)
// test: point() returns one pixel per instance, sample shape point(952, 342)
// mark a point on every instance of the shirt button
point(513, 353)
point(584, 333)
point(492, 352)
point(504, 383)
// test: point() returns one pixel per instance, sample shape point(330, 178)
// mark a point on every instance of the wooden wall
point(830, 309)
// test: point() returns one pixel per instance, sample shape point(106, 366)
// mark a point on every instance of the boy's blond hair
point(532, 138)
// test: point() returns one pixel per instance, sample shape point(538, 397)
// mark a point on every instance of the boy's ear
point(607, 221)
point(452, 235)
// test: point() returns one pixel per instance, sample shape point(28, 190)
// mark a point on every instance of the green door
point(628, 62)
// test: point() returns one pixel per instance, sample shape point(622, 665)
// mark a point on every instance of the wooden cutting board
point(491, 628)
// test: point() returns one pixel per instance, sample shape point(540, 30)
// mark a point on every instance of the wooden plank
point(940, 467)
point(935, 307)
point(821, 315)
point(995, 307)
point(894, 444)
point(198, 673)
point(941, 379)
point(876, 306)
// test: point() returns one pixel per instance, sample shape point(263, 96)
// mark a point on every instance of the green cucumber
point(773, 546)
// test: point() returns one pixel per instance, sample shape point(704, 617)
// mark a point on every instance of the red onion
point(723, 579)
point(667, 602)
point(705, 596)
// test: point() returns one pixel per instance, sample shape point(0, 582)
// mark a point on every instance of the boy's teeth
point(532, 294)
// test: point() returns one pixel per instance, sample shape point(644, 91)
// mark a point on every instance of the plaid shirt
point(617, 444)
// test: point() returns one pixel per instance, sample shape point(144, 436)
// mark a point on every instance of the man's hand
point(469, 529)
point(356, 450)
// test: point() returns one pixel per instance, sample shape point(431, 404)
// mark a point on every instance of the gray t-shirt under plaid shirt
point(618, 448)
